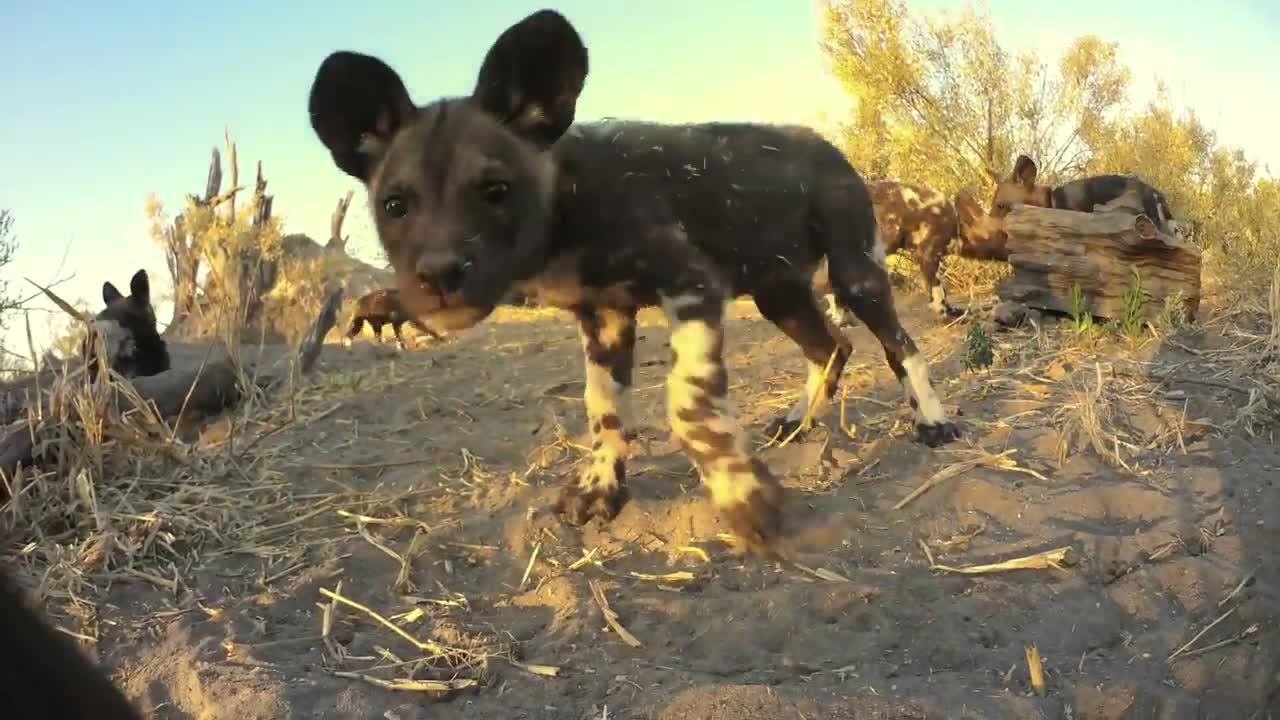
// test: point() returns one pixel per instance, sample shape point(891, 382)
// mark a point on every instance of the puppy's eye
point(395, 206)
point(495, 193)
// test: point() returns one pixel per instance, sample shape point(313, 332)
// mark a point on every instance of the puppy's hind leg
point(791, 306)
point(861, 281)
point(357, 324)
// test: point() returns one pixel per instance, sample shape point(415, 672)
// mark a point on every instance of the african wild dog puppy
point(382, 307)
point(475, 196)
point(127, 326)
point(929, 224)
point(1080, 195)
point(42, 672)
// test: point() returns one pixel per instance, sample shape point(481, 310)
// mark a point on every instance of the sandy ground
point(464, 443)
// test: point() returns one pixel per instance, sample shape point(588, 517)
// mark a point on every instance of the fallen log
point(1057, 253)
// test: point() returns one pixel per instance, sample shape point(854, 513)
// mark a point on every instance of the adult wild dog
point(383, 307)
point(927, 223)
point(475, 196)
point(1081, 195)
point(127, 326)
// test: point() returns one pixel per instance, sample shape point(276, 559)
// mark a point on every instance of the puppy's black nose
point(451, 278)
point(445, 278)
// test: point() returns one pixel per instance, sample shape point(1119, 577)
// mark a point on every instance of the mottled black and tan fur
point(930, 225)
point(476, 196)
point(382, 307)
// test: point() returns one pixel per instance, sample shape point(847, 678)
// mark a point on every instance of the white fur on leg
point(812, 384)
point(938, 301)
point(725, 470)
point(609, 444)
point(929, 410)
point(877, 253)
point(836, 314)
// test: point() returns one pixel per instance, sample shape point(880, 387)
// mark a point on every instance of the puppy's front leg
point(608, 344)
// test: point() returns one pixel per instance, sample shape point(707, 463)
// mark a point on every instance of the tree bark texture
point(1053, 252)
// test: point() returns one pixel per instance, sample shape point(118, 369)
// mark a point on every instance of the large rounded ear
point(357, 104)
point(532, 76)
point(109, 293)
point(140, 288)
point(1024, 171)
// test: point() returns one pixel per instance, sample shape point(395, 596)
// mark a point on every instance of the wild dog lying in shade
point(476, 196)
point(383, 307)
point(127, 326)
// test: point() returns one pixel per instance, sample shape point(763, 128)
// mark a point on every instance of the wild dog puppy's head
point(980, 237)
point(462, 189)
point(127, 326)
point(1020, 188)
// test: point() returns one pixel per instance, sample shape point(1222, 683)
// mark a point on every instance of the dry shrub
point(301, 287)
point(117, 493)
point(965, 280)
point(971, 280)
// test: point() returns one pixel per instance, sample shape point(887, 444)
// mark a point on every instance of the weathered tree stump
point(1053, 252)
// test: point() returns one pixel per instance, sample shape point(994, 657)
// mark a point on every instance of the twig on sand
point(1056, 559)
point(1238, 637)
point(610, 616)
point(1035, 668)
point(326, 625)
point(1000, 461)
point(1238, 588)
point(533, 558)
point(403, 582)
point(1183, 650)
point(535, 669)
point(423, 645)
point(431, 686)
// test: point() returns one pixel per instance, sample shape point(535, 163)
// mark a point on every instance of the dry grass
point(124, 497)
point(972, 281)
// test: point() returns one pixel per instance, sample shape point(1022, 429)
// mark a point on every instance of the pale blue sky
point(107, 102)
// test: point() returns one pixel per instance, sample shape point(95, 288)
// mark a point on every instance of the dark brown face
point(127, 329)
point(462, 189)
point(981, 235)
point(1018, 189)
point(461, 205)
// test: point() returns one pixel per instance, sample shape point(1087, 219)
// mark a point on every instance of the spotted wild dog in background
point(476, 196)
point(42, 672)
point(1079, 195)
point(927, 223)
point(383, 307)
point(127, 326)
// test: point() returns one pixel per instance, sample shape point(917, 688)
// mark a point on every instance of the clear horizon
point(107, 105)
